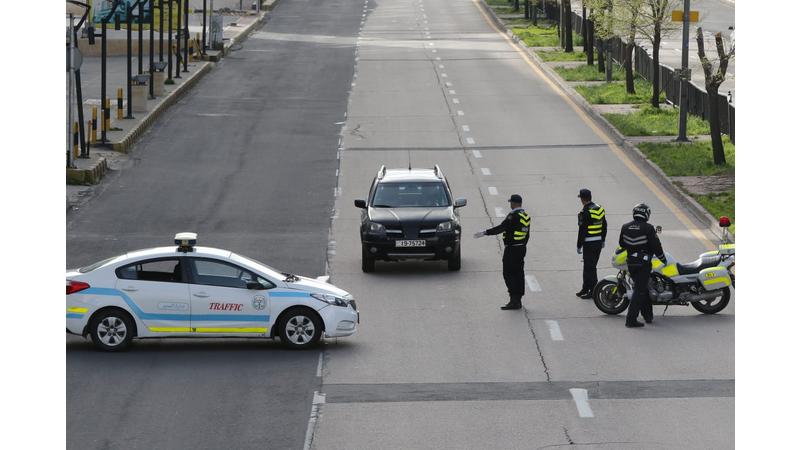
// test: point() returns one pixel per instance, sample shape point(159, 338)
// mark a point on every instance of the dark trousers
point(640, 301)
point(591, 254)
point(514, 271)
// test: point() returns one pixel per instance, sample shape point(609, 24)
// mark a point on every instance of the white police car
point(189, 291)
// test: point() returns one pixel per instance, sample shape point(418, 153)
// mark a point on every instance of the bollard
point(107, 116)
point(119, 104)
point(93, 127)
point(90, 143)
point(75, 140)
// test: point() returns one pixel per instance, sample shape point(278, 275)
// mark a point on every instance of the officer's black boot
point(514, 303)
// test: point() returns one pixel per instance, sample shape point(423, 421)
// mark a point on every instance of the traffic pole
point(185, 31)
point(684, 76)
point(107, 117)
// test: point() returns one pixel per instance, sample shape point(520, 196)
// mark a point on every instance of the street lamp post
point(103, 68)
point(185, 35)
point(684, 74)
point(178, 42)
point(169, 41)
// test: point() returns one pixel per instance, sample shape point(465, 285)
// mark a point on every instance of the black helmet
point(641, 211)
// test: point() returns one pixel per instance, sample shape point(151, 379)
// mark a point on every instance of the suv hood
point(394, 216)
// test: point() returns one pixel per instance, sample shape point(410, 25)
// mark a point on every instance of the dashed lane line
point(581, 399)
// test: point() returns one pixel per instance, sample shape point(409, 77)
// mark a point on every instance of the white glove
point(580, 250)
point(480, 234)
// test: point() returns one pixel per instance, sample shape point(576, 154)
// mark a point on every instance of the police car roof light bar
point(186, 241)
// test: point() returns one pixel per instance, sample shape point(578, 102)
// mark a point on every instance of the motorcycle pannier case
point(715, 278)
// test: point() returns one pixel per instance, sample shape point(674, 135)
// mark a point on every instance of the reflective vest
point(522, 228)
point(595, 225)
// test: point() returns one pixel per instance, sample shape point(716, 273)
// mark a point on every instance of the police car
point(190, 291)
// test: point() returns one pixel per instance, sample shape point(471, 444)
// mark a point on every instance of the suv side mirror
point(360, 204)
point(460, 203)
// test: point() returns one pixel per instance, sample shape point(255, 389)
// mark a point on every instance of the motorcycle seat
point(697, 265)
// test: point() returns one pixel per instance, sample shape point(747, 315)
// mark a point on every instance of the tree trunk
point(629, 87)
point(584, 24)
point(713, 117)
point(601, 57)
point(516, 5)
point(654, 100)
point(609, 62)
point(590, 48)
point(567, 26)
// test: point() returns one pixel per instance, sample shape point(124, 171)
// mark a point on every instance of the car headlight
point(331, 299)
point(375, 227)
point(446, 226)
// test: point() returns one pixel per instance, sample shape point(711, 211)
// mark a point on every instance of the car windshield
point(410, 194)
point(91, 267)
point(258, 265)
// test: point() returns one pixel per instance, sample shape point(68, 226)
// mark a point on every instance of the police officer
point(642, 244)
point(516, 232)
point(592, 229)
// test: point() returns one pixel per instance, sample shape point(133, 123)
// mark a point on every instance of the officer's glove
point(580, 250)
point(602, 244)
point(479, 234)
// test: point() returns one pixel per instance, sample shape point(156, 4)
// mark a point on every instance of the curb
point(631, 150)
point(126, 142)
point(245, 33)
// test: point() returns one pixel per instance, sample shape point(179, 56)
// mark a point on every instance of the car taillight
point(76, 286)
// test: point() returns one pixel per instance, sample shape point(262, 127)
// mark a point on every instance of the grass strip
point(589, 73)
point(614, 93)
point(691, 159)
point(542, 36)
point(720, 204)
point(561, 55)
point(650, 121)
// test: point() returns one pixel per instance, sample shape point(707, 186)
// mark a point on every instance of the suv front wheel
point(454, 262)
point(367, 261)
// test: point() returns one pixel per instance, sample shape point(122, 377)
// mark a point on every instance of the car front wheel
point(300, 328)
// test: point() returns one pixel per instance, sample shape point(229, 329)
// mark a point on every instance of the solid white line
point(492, 190)
point(470, 141)
point(581, 398)
point(477, 154)
point(465, 128)
point(319, 363)
point(533, 283)
point(555, 330)
point(486, 171)
point(498, 212)
point(319, 399)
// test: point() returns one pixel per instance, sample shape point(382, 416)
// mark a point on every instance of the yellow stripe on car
point(77, 309)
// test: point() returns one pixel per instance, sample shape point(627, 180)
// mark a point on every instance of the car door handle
point(130, 289)
point(201, 295)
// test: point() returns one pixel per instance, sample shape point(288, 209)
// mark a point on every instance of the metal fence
point(697, 98)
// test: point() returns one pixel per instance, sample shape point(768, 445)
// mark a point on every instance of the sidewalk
point(123, 133)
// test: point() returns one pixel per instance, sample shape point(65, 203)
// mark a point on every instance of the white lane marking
point(581, 398)
point(465, 128)
point(434, 50)
point(460, 112)
point(441, 66)
point(477, 154)
point(319, 399)
point(319, 364)
point(444, 75)
point(452, 92)
point(448, 84)
point(492, 190)
point(555, 330)
point(456, 101)
point(486, 171)
point(438, 58)
point(498, 212)
point(470, 141)
point(533, 283)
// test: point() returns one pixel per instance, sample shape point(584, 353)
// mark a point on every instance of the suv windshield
point(410, 194)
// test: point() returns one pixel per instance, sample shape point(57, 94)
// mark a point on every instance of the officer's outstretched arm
point(505, 225)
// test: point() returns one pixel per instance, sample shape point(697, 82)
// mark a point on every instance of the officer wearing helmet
point(516, 232)
point(639, 239)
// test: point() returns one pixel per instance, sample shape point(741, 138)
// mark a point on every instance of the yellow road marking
point(611, 144)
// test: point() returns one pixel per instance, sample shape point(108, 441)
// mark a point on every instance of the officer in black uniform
point(642, 244)
point(592, 229)
point(516, 232)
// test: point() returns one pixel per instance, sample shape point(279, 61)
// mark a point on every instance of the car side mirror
point(658, 228)
point(460, 203)
point(255, 285)
point(360, 204)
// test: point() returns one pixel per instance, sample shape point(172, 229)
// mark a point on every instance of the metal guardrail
point(697, 98)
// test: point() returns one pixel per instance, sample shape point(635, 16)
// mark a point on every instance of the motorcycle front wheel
point(609, 298)
point(714, 305)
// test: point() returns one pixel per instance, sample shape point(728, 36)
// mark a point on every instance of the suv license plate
point(415, 243)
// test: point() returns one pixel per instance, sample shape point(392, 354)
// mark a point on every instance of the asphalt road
point(436, 363)
point(248, 160)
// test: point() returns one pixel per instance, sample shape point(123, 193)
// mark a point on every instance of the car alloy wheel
point(112, 331)
point(300, 330)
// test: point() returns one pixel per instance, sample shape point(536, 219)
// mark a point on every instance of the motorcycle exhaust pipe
point(703, 296)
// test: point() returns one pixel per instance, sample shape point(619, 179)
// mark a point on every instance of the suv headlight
point(446, 226)
point(375, 227)
point(331, 299)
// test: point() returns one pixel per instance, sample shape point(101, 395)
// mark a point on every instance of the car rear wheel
point(367, 261)
point(111, 330)
point(300, 328)
point(454, 262)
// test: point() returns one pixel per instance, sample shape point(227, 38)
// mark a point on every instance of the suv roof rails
point(438, 171)
point(382, 172)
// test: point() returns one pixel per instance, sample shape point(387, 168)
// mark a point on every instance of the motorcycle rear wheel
point(608, 298)
point(715, 305)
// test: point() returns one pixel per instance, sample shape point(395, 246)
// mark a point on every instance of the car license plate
point(406, 243)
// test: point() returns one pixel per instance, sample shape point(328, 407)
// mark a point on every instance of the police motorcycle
point(704, 283)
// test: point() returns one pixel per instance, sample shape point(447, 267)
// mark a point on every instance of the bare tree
point(628, 21)
point(714, 78)
point(604, 20)
point(566, 13)
point(656, 24)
